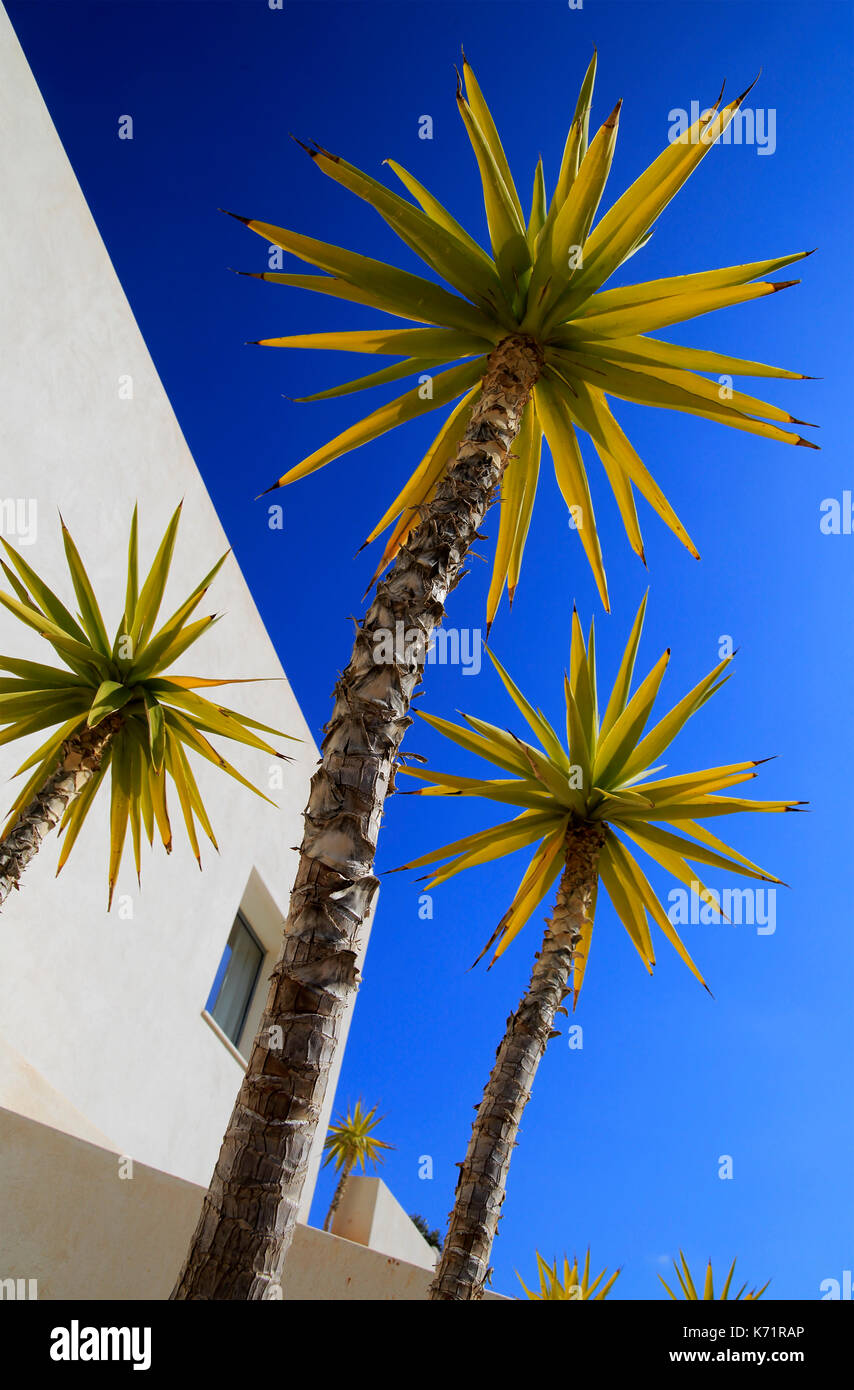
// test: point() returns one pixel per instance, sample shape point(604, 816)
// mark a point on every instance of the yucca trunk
point(481, 1185)
point(247, 1221)
point(80, 761)
point(336, 1200)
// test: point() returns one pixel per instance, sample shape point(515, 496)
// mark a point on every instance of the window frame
point(210, 1004)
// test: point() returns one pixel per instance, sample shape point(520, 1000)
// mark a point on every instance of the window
point(236, 978)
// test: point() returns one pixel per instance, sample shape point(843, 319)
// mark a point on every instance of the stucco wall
point(26, 1092)
point(68, 1220)
point(371, 1215)
point(108, 1008)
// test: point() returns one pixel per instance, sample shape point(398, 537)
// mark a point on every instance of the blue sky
point(621, 1142)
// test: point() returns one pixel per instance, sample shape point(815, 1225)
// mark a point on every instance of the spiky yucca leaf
point(351, 1142)
point(162, 718)
point(572, 1287)
point(603, 772)
point(543, 278)
point(689, 1289)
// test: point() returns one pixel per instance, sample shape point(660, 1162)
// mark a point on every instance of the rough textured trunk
point(81, 759)
point(480, 1190)
point(249, 1214)
point(336, 1200)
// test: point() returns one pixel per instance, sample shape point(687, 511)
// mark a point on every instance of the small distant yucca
point(351, 1144)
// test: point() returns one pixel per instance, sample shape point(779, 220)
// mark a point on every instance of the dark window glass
point(236, 978)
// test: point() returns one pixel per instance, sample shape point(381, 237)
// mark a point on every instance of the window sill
point(224, 1039)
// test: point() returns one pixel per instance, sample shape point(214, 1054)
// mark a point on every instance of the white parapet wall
point(76, 1220)
point(370, 1214)
point(106, 1011)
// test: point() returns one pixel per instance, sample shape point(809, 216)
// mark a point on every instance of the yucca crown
point(351, 1140)
point(689, 1288)
point(543, 278)
point(603, 775)
point(158, 717)
point(573, 1286)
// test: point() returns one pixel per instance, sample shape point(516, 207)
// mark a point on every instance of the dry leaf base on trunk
point(250, 1211)
point(81, 760)
point(483, 1176)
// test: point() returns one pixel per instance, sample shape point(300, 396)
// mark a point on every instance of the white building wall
point(112, 1235)
point(371, 1215)
point(109, 1008)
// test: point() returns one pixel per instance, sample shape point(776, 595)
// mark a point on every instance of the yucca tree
point(113, 709)
point(537, 347)
point(572, 1287)
point(351, 1144)
point(689, 1290)
point(573, 799)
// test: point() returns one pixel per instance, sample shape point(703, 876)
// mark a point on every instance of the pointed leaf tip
point(749, 89)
